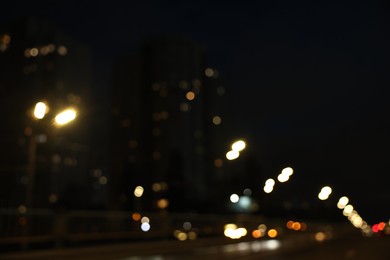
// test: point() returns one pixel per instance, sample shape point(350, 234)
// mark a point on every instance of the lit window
point(62, 50)
point(34, 52)
point(217, 120)
point(185, 107)
point(183, 84)
point(190, 95)
point(209, 72)
point(196, 83)
point(5, 38)
point(3, 47)
point(155, 87)
point(164, 115)
point(125, 122)
point(220, 91)
point(163, 92)
point(218, 163)
point(133, 143)
point(27, 53)
point(156, 156)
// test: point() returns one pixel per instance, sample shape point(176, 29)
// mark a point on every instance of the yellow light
point(162, 203)
point(272, 233)
point(296, 226)
point(138, 191)
point(190, 95)
point(238, 146)
point(320, 236)
point(5, 38)
point(34, 52)
point(40, 110)
point(217, 120)
point(66, 116)
point(343, 201)
point(230, 226)
point(348, 210)
point(145, 220)
point(192, 235)
point(62, 50)
point(182, 236)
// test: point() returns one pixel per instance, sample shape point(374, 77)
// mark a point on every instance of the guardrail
point(43, 227)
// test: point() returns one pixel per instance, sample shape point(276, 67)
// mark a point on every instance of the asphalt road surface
point(293, 248)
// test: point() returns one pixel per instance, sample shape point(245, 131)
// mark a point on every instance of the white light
point(283, 177)
point(270, 182)
point(323, 196)
point(287, 171)
point(326, 190)
point(234, 198)
point(65, 116)
point(348, 210)
point(138, 191)
point(145, 227)
point(343, 201)
point(268, 189)
point(244, 202)
point(272, 244)
point(238, 146)
point(231, 155)
point(40, 110)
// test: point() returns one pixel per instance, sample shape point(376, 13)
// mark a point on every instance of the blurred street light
point(65, 117)
point(324, 193)
point(237, 147)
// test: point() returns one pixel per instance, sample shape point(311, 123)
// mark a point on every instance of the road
point(292, 248)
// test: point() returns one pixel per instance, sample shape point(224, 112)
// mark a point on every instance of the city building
point(166, 120)
point(40, 163)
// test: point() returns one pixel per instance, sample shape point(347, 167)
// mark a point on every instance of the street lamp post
point(39, 112)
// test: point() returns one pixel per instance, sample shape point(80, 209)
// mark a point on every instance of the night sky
point(307, 81)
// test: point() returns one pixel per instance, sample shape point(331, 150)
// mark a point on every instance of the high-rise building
point(41, 163)
point(165, 123)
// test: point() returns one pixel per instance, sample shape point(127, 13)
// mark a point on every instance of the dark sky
point(308, 81)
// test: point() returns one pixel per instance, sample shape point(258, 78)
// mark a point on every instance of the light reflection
point(320, 236)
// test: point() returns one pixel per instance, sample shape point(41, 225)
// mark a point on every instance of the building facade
point(42, 163)
point(165, 122)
